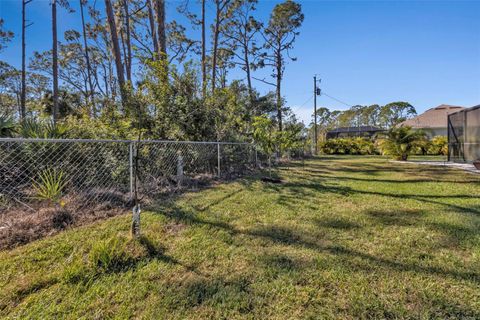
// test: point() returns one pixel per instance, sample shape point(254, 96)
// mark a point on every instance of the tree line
point(383, 117)
point(130, 68)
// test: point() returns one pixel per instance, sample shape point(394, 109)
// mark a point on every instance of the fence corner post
point(218, 160)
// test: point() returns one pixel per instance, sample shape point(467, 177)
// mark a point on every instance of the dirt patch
point(21, 226)
point(26, 220)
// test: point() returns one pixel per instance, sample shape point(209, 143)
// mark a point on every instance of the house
point(360, 131)
point(433, 121)
point(464, 135)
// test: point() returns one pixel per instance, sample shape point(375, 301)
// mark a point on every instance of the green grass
point(342, 237)
point(427, 158)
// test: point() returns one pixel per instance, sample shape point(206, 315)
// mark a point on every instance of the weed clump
point(109, 255)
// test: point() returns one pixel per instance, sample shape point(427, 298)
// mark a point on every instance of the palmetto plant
point(49, 186)
point(31, 128)
point(400, 142)
point(7, 126)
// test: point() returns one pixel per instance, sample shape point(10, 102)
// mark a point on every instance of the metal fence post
point(130, 159)
point(218, 160)
point(256, 157)
point(179, 170)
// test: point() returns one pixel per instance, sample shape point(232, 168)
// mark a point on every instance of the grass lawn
point(342, 237)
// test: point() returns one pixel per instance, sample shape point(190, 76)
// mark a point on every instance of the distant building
point(360, 131)
point(464, 135)
point(433, 121)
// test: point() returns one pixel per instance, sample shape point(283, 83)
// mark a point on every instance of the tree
point(151, 21)
point(161, 30)
point(279, 37)
point(64, 4)
point(223, 11)
point(54, 61)
point(125, 36)
point(116, 52)
point(73, 71)
point(24, 86)
point(102, 58)
point(178, 44)
point(396, 112)
point(204, 58)
point(326, 120)
point(5, 36)
point(240, 33)
point(399, 142)
point(11, 89)
point(87, 60)
point(265, 135)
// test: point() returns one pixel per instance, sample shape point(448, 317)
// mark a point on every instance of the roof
point(468, 109)
point(355, 129)
point(432, 118)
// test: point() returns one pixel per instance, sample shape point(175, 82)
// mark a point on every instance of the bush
point(7, 126)
point(438, 146)
point(400, 142)
point(354, 146)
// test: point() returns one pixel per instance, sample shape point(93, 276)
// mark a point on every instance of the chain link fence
point(102, 172)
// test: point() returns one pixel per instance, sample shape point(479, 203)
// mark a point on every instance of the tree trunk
point(204, 60)
point(215, 46)
point(116, 51)
point(247, 70)
point(162, 38)
point(278, 89)
point(151, 19)
point(87, 60)
point(128, 58)
point(55, 61)
point(24, 89)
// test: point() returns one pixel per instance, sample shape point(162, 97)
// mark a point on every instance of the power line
point(307, 101)
point(338, 100)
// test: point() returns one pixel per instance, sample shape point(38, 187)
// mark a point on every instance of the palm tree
point(399, 142)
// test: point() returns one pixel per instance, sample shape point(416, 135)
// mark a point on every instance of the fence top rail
point(120, 141)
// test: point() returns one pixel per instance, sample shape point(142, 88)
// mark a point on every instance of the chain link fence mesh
point(101, 173)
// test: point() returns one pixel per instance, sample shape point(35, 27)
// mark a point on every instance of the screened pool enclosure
point(464, 135)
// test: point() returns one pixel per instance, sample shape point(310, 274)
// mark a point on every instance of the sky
point(365, 52)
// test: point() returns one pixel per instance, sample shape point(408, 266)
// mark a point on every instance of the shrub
point(7, 126)
point(47, 129)
point(354, 146)
point(438, 146)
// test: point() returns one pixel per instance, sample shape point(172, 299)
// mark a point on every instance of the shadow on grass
point(397, 217)
point(336, 223)
point(234, 295)
point(285, 236)
point(296, 191)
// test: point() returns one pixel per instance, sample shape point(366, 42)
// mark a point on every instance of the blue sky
point(366, 52)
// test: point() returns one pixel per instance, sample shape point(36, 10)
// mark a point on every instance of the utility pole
point(316, 91)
